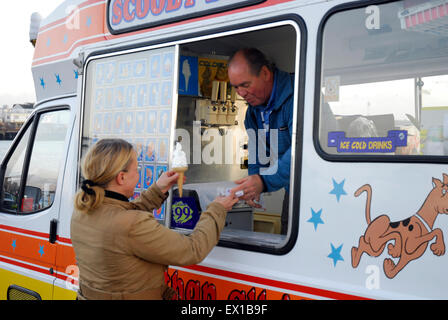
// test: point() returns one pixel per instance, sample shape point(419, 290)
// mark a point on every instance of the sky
point(16, 54)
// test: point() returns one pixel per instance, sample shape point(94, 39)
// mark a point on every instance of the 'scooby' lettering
point(129, 10)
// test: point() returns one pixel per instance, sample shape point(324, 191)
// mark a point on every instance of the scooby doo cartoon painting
point(407, 239)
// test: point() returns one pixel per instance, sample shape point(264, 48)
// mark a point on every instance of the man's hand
point(252, 186)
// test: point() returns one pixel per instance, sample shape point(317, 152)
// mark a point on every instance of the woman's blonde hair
point(102, 163)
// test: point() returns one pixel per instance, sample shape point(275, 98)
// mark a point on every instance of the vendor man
point(269, 93)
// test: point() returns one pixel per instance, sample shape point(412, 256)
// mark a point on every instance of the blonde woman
point(121, 250)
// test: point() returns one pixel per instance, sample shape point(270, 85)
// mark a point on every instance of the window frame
point(216, 33)
point(32, 124)
point(317, 101)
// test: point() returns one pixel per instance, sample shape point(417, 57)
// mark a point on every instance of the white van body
point(364, 59)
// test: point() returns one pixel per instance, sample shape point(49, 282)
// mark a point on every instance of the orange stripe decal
point(58, 40)
point(281, 285)
point(31, 250)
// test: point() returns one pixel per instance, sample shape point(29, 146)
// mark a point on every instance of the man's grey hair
point(255, 59)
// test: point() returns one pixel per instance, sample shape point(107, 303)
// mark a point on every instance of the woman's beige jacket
point(122, 251)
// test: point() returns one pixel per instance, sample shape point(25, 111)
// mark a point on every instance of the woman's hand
point(167, 180)
point(227, 202)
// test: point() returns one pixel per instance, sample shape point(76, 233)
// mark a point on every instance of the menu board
point(131, 97)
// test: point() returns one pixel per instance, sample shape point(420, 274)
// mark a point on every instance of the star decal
point(335, 254)
point(42, 83)
point(58, 79)
point(89, 22)
point(315, 218)
point(14, 244)
point(338, 189)
point(41, 250)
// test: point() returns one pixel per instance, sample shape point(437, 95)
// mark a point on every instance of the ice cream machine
point(207, 100)
point(220, 109)
point(205, 79)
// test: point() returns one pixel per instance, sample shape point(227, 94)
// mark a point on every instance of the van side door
point(31, 177)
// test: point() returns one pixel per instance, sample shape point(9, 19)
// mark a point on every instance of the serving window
point(210, 126)
point(156, 97)
point(383, 81)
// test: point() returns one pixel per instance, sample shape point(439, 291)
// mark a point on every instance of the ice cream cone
point(180, 179)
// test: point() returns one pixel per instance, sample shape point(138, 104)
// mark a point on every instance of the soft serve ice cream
point(179, 158)
point(179, 165)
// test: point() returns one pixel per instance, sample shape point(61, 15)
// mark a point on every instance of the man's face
point(256, 90)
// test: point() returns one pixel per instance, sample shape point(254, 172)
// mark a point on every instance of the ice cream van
point(367, 212)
